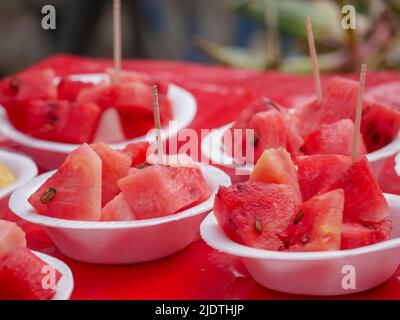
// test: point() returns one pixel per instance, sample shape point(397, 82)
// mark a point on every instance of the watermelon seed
point(14, 83)
point(48, 195)
point(52, 105)
point(240, 187)
point(298, 217)
point(302, 149)
point(259, 226)
point(52, 117)
point(143, 165)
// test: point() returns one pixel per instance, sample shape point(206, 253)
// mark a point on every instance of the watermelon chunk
point(335, 138)
point(379, 126)
point(109, 129)
point(115, 165)
point(318, 171)
point(16, 91)
point(69, 89)
point(74, 191)
point(21, 277)
point(276, 166)
point(254, 213)
point(11, 237)
point(162, 190)
point(317, 225)
point(137, 151)
point(117, 210)
point(355, 235)
point(364, 199)
point(62, 121)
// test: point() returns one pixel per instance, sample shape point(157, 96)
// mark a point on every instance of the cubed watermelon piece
point(22, 276)
point(319, 170)
point(254, 213)
point(137, 151)
point(115, 166)
point(62, 121)
point(355, 235)
point(117, 210)
point(276, 166)
point(364, 198)
point(159, 190)
point(103, 95)
point(69, 89)
point(317, 224)
point(380, 126)
point(335, 138)
point(74, 191)
point(11, 238)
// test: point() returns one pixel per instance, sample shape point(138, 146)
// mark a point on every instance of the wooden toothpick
point(314, 60)
point(357, 126)
point(157, 122)
point(117, 41)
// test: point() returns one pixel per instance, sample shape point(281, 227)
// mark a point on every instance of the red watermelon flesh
point(380, 125)
point(117, 210)
point(16, 91)
point(137, 151)
point(69, 89)
point(11, 237)
point(115, 165)
point(355, 235)
point(335, 138)
point(62, 121)
point(318, 171)
point(74, 191)
point(254, 213)
point(276, 166)
point(269, 132)
point(103, 94)
point(364, 198)
point(160, 190)
point(22, 276)
point(317, 224)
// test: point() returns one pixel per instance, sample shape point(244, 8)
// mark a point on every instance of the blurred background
point(256, 34)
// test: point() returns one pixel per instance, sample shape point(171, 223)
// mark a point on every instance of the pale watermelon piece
point(117, 210)
point(159, 190)
point(319, 170)
point(21, 277)
point(355, 235)
point(364, 200)
point(115, 165)
point(276, 166)
point(335, 138)
point(74, 191)
point(317, 224)
point(109, 128)
point(137, 151)
point(254, 213)
point(11, 237)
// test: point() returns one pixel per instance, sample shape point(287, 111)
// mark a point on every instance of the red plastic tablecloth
point(197, 272)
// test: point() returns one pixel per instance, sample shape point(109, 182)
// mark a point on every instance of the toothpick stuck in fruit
point(357, 127)
point(157, 122)
point(314, 60)
point(117, 41)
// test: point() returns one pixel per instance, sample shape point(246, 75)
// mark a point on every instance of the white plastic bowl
point(314, 273)
point(49, 155)
point(22, 167)
point(65, 285)
point(120, 242)
point(213, 149)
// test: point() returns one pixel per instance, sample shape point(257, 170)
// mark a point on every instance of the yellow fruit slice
point(6, 177)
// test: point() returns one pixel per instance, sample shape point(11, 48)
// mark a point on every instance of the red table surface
point(197, 272)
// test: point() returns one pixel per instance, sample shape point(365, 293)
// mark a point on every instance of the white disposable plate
point(65, 285)
point(49, 155)
point(120, 242)
point(22, 167)
point(315, 273)
point(213, 149)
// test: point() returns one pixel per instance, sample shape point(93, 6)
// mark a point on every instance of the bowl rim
point(10, 132)
point(19, 205)
point(211, 147)
point(26, 167)
point(65, 285)
point(214, 236)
